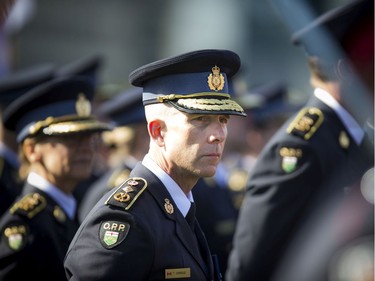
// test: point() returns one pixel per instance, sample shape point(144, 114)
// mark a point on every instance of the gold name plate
point(175, 273)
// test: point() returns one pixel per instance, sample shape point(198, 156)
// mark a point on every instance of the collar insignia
point(344, 140)
point(168, 206)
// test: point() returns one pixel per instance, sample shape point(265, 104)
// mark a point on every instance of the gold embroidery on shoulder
point(29, 205)
point(306, 122)
point(127, 193)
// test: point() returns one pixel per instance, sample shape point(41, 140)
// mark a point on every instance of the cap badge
point(216, 79)
point(168, 206)
point(83, 106)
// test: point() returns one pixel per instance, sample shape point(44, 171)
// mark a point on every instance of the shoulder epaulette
point(29, 205)
point(306, 123)
point(127, 193)
point(117, 177)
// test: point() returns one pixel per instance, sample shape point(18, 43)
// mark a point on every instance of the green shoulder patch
point(306, 123)
point(15, 235)
point(290, 158)
point(127, 193)
point(30, 205)
point(112, 233)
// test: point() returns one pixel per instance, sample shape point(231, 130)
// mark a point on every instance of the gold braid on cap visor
point(52, 125)
point(195, 101)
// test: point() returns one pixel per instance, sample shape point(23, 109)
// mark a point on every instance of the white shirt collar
point(182, 201)
point(66, 202)
point(354, 129)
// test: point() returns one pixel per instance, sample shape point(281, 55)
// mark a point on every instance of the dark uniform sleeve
point(104, 246)
point(110, 245)
point(31, 245)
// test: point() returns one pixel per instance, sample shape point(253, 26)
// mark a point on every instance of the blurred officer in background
point(318, 153)
point(218, 201)
point(128, 139)
point(146, 229)
point(12, 86)
point(336, 240)
point(89, 67)
point(267, 106)
point(55, 131)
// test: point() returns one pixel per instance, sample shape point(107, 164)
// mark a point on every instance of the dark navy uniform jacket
point(217, 216)
point(10, 186)
point(312, 155)
point(35, 235)
point(136, 232)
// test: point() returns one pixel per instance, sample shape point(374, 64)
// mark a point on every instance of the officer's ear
point(156, 131)
point(29, 147)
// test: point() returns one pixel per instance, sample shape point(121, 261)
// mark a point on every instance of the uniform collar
point(352, 126)
point(182, 201)
point(66, 202)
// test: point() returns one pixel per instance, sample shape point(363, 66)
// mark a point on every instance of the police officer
point(145, 229)
point(126, 140)
point(12, 86)
point(267, 106)
point(88, 67)
point(316, 154)
point(55, 131)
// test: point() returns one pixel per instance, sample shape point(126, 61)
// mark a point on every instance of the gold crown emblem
point(216, 79)
point(83, 106)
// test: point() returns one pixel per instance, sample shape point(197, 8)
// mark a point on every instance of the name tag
point(175, 273)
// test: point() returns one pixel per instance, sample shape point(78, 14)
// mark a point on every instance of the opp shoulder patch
point(112, 233)
point(127, 193)
point(306, 123)
point(15, 236)
point(30, 205)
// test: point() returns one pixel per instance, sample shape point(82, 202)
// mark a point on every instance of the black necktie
point(190, 216)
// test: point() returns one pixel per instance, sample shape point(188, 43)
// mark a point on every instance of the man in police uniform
point(318, 153)
point(12, 86)
point(55, 132)
point(145, 229)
